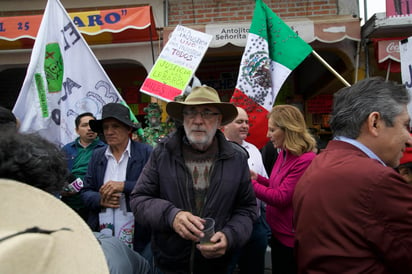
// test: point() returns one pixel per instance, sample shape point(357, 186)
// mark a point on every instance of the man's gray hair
point(352, 105)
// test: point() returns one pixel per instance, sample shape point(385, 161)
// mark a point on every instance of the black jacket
point(94, 178)
point(165, 187)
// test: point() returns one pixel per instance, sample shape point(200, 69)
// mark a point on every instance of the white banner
point(176, 64)
point(64, 79)
point(406, 67)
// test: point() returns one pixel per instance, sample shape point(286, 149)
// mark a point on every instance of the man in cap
point(192, 174)
point(113, 170)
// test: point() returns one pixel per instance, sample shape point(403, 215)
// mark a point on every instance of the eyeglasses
point(206, 114)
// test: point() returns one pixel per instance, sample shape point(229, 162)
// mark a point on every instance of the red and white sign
point(398, 7)
point(388, 49)
point(387, 53)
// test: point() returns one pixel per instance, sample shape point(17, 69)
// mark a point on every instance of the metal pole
point(388, 70)
point(166, 12)
point(330, 68)
point(357, 61)
point(151, 43)
point(365, 14)
point(367, 69)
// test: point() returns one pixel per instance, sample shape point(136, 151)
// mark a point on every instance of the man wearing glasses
point(193, 174)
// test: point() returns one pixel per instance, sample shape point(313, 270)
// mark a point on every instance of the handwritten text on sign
point(172, 74)
point(177, 62)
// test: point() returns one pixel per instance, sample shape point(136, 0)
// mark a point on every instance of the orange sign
point(128, 24)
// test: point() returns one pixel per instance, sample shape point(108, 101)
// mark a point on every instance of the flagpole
point(388, 70)
point(330, 68)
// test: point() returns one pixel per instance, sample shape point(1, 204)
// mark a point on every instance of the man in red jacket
point(353, 211)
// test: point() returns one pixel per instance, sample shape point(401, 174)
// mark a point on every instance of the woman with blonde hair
point(288, 133)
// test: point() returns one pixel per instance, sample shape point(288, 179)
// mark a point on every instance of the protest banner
point(176, 64)
point(63, 80)
point(406, 67)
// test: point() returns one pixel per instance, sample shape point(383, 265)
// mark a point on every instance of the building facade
point(332, 28)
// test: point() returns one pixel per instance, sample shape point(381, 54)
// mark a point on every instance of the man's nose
point(198, 118)
point(108, 130)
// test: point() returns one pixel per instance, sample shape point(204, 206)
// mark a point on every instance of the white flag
point(406, 67)
point(63, 80)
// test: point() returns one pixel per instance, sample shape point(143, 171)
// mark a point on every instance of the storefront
point(335, 38)
point(124, 40)
point(381, 35)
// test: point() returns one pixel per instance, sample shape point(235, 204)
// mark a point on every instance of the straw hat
point(116, 111)
point(71, 248)
point(202, 95)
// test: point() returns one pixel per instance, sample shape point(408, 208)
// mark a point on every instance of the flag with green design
point(63, 80)
point(273, 50)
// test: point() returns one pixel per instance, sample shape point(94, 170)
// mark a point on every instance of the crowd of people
point(344, 209)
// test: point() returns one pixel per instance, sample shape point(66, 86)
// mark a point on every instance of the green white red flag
point(272, 51)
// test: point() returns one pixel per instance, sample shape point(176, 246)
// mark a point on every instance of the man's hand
point(188, 226)
point(109, 188)
point(65, 193)
point(110, 194)
point(112, 201)
point(216, 248)
point(253, 175)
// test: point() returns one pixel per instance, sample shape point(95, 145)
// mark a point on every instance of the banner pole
point(330, 68)
point(388, 70)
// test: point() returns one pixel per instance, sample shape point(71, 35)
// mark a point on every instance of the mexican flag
point(272, 51)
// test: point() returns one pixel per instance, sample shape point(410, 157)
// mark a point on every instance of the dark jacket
point(94, 180)
point(165, 187)
point(71, 150)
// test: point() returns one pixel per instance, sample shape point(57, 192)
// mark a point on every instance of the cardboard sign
point(176, 64)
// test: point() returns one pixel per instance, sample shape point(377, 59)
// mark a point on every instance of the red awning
point(98, 27)
point(387, 53)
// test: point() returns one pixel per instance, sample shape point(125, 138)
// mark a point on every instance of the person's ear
point(374, 123)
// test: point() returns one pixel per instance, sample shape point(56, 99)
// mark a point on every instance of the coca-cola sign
point(393, 47)
point(388, 49)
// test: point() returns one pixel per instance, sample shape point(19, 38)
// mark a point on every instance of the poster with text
point(406, 67)
point(176, 64)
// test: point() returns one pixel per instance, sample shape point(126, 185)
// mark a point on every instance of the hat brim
point(228, 110)
point(97, 125)
point(75, 250)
